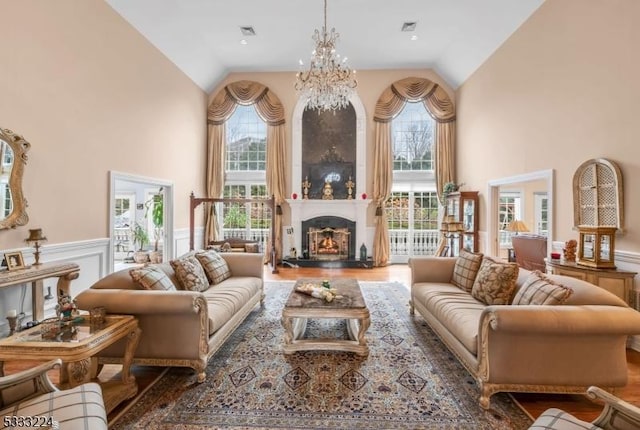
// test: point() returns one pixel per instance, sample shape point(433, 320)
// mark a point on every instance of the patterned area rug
point(409, 381)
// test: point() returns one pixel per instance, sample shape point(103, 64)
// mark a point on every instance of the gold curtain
point(215, 176)
point(270, 109)
point(389, 105)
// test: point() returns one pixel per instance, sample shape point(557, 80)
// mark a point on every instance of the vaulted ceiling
point(203, 37)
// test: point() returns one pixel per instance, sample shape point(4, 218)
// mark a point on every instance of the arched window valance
point(270, 109)
point(389, 105)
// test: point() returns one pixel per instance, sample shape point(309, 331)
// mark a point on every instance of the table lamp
point(517, 226)
point(35, 236)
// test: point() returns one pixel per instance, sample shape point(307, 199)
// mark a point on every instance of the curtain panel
point(271, 111)
point(389, 105)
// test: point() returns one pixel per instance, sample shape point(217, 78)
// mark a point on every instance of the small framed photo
point(14, 260)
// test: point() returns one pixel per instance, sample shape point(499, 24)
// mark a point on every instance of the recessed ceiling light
point(409, 26)
point(414, 37)
point(247, 30)
point(243, 42)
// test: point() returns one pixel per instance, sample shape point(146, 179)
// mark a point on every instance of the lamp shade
point(517, 226)
point(35, 235)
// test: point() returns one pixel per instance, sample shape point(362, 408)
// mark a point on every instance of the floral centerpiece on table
point(324, 291)
point(66, 306)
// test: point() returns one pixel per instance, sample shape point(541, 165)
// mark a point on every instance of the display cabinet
point(463, 207)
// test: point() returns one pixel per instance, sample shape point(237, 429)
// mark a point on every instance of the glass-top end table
point(77, 343)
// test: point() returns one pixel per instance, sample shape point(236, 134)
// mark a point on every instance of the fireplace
point(329, 238)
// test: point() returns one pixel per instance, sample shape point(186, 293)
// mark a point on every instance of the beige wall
point(92, 95)
point(563, 89)
point(371, 84)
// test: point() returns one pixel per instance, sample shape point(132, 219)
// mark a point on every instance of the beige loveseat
point(527, 348)
point(180, 328)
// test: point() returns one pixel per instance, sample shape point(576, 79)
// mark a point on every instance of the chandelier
point(329, 82)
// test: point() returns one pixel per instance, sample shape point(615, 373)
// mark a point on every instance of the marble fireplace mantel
point(302, 210)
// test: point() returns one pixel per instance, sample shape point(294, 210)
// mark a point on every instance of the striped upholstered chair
point(616, 415)
point(28, 399)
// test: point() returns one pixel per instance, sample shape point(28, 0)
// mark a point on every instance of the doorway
point(140, 219)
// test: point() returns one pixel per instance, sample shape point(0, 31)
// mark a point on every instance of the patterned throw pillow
point(495, 282)
point(214, 265)
point(540, 290)
point(466, 269)
point(251, 247)
point(190, 273)
point(152, 278)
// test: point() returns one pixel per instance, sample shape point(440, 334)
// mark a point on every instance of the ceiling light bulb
point(243, 42)
point(414, 37)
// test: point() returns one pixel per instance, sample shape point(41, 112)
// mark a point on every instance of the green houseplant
point(155, 209)
point(140, 238)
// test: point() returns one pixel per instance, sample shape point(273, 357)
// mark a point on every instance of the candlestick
point(12, 313)
point(12, 325)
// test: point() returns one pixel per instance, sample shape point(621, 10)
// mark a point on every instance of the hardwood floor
point(534, 404)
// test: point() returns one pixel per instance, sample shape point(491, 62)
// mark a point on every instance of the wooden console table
point(618, 282)
point(65, 272)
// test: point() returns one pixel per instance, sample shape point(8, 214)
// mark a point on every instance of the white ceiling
point(202, 37)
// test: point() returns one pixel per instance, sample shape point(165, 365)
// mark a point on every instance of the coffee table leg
point(287, 323)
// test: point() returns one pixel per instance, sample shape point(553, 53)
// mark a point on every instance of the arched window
point(245, 166)
point(413, 132)
point(246, 141)
point(412, 208)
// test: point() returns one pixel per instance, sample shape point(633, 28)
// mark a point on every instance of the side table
point(616, 281)
point(76, 345)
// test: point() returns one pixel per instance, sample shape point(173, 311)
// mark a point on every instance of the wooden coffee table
point(77, 346)
point(352, 307)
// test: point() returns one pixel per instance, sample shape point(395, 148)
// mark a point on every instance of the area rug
point(409, 380)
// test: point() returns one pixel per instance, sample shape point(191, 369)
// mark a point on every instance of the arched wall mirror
point(13, 158)
point(527, 198)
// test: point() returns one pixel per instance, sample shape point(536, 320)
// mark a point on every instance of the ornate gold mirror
point(13, 158)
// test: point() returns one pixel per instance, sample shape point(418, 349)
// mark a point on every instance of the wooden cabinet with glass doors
point(463, 206)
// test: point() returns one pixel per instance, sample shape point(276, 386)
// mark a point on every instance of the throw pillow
point(152, 278)
point(466, 269)
point(495, 282)
point(540, 290)
point(215, 267)
point(190, 273)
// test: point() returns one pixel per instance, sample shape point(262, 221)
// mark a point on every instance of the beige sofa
point(528, 348)
point(180, 328)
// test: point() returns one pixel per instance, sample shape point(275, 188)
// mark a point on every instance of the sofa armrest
point(141, 302)
point(245, 264)
point(431, 269)
point(568, 320)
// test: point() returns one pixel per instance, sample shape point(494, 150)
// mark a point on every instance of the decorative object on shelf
point(306, 186)
point(329, 82)
point(49, 296)
point(364, 196)
point(98, 315)
point(598, 211)
point(294, 196)
point(350, 184)
point(570, 249)
point(450, 187)
point(326, 283)
point(597, 246)
point(14, 260)
point(363, 252)
point(517, 226)
point(12, 317)
point(451, 230)
point(66, 306)
point(35, 236)
point(327, 191)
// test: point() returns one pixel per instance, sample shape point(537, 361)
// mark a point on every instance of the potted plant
point(155, 208)
point(140, 238)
